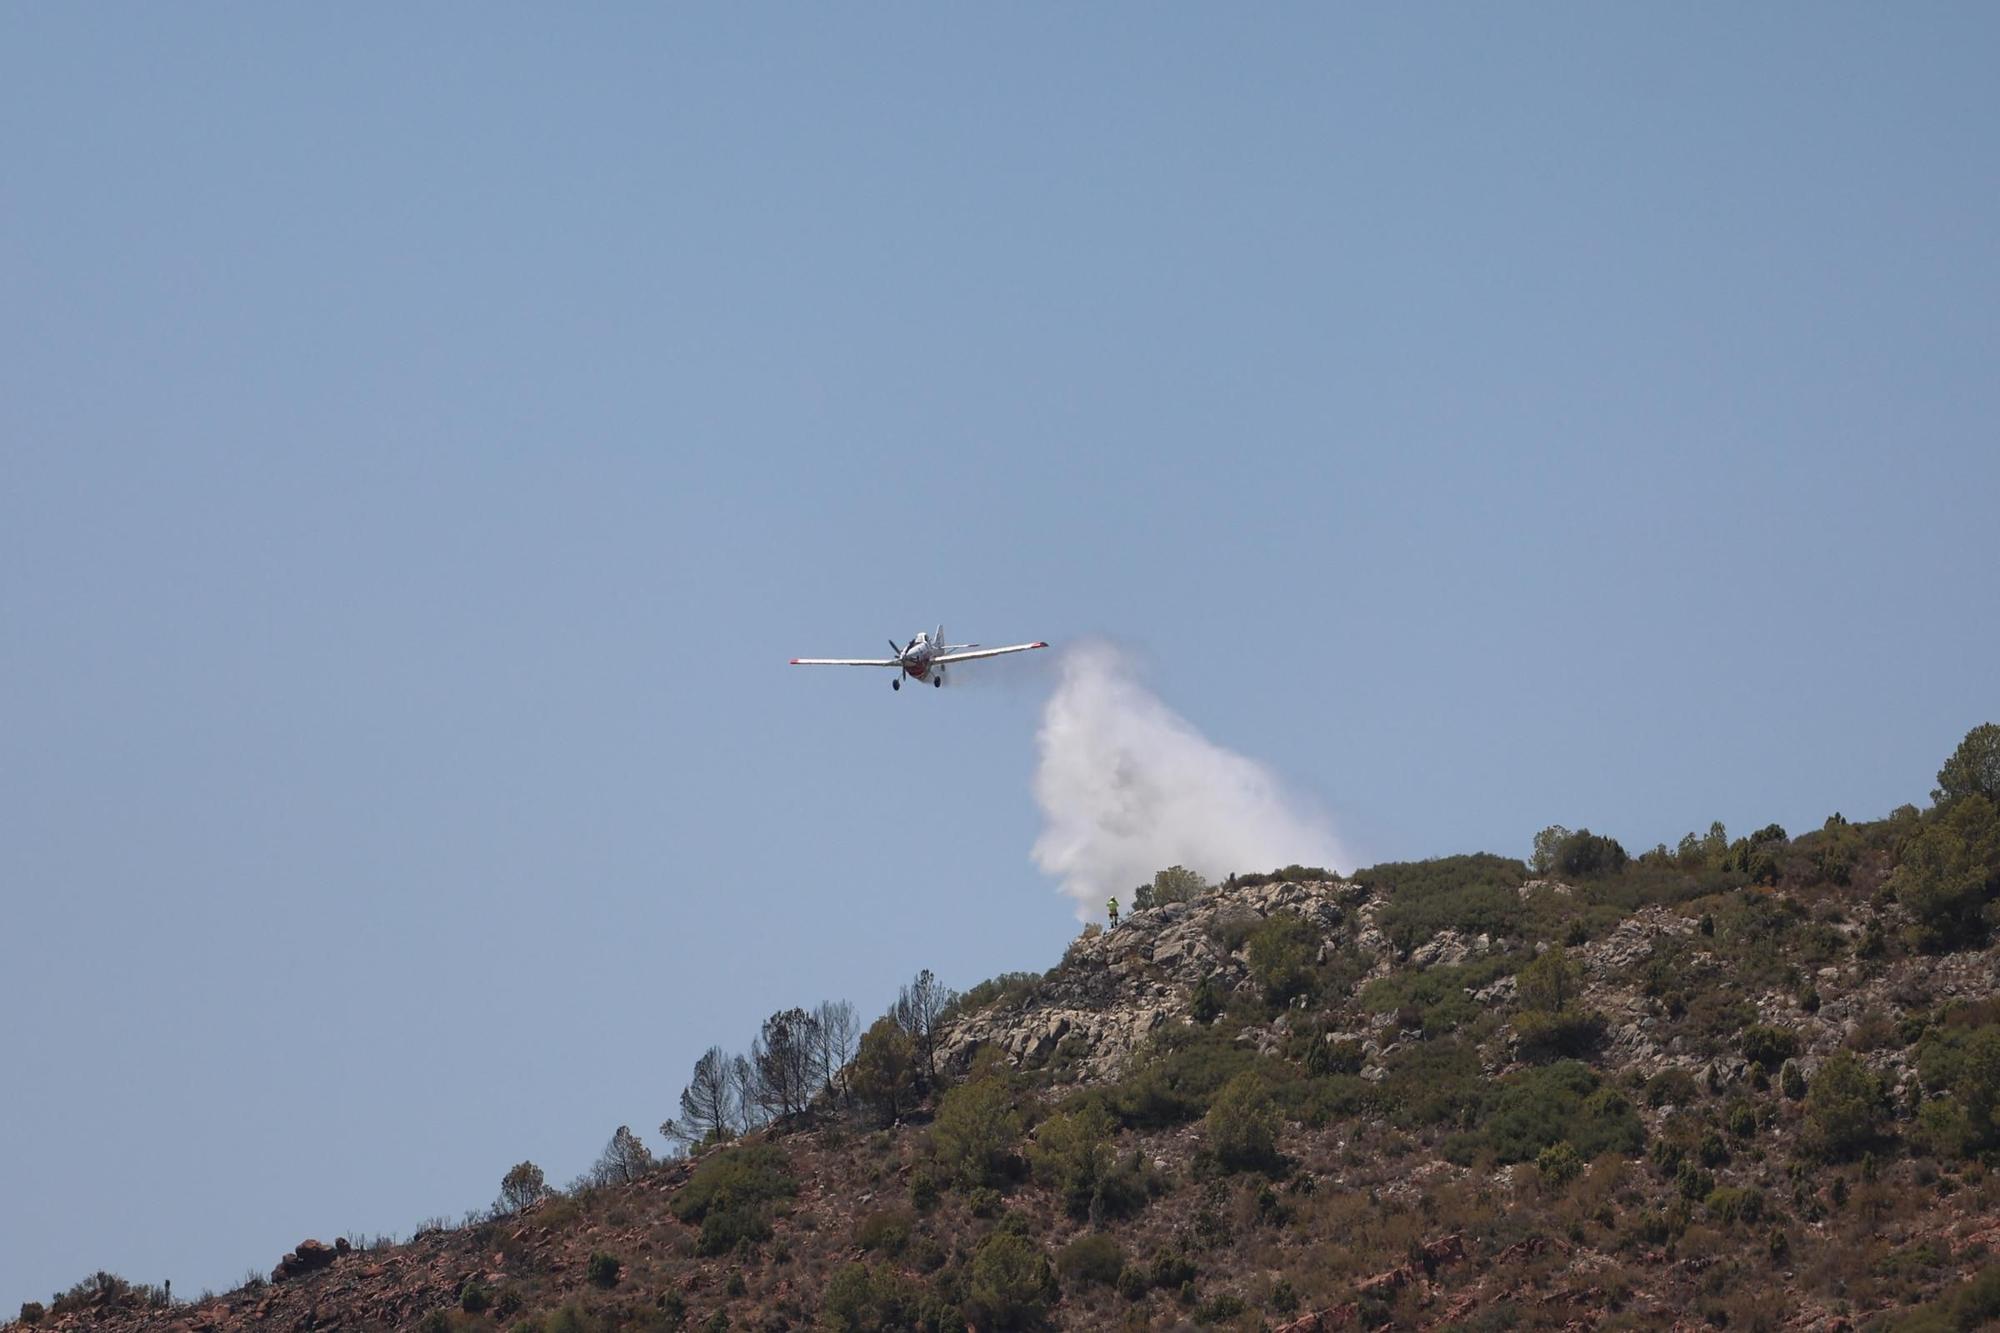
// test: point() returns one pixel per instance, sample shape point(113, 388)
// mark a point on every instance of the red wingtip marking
point(1041, 645)
point(795, 661)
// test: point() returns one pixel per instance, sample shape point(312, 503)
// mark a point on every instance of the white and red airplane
point(922, 658)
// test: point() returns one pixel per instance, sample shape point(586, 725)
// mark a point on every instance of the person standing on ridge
point(1113, 911)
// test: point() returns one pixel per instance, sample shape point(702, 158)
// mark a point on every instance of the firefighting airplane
point(922, 658)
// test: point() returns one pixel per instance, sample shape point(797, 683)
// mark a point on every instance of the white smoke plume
point(1127, 787)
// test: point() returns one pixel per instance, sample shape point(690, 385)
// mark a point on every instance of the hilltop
point(1747, 1083)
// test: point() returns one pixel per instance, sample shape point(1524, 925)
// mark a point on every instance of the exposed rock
point(309, 1257)
point(1116, 988)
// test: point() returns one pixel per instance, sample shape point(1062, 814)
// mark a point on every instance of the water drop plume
point(1127, 787)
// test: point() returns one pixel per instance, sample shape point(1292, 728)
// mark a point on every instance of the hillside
point(1745, 1084)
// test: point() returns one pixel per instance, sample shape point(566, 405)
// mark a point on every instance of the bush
point(603, 1270)
point(863, 1299)
point(1095, 1258)
point(974, 1134)
point(1731, 1205)
point(1550, 982)
point(1241, 1126)
point(1011, 1285)
point(1537, 1108)
point(472, 1298)
point(1282, 952)
point(1792, 1081)
point(1184, 1068)
point(886, 1232)
point(1207, 1002)
point(1474, 894)
point(32, 1312)
point(1543, 1036)
point(1768, 1046)
point(1672, 1087)
point(731, 1195)
point(1558, 1165)
point(1843, 1107)
point(1072, 1153)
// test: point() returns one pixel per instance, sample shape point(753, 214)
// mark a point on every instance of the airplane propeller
point(894, 649)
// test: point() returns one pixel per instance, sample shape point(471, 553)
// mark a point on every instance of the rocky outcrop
point(309, 1257)
point(1116, 988)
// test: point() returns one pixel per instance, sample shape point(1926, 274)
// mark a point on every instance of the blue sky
point(425, 435)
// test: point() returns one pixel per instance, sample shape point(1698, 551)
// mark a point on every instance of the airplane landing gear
point(896, 684)
point(937, 681)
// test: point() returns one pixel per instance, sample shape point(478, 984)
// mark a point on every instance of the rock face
point(309, 1257)
point(1116, 988)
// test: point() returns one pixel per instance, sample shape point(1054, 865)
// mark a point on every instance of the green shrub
point(1094, 1258)
point(32, 1312)
point(1792, 1081)
point(1551, 982)
point(1242, 1127)
point(1730, 1205)
point(1011, 1283)
point(1672, 1087)
point(1174, 1082)
point(1558, 1165)
point(603, 1270)
point(1949, 873)
point(1586, 855)
point(1172, 1270)
point(1542, 1037)
point(860, 1298)
point(1965, 1063)
point(886, 1231)
point(1768, 1046)
point(731, 1195)
point(1281, 954)
point(974, 1133)
point(1439, 995)
point(1475, 894)
point(1844, 1110)
point(472, 1298)
point(1222, 1306)
point(1538, 1108)
point(1207, 1002)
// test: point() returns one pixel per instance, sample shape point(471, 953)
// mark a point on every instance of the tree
point(624, 1160)
point(522, 1186)
point(785, 1057)
point(1177, 884)
point(838, 1025)
point(708, 1102)
point(974, 1133)
point(1550, 982)
point(919, 1006)
point(1547, 843)
point(1583, 855)
point(884, 1073)
point(1949, 871)
point(1142, 897)
point(1973, 769)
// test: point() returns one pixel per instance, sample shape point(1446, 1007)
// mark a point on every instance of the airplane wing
point(984, 652)
point(846, 661)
